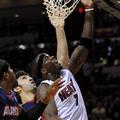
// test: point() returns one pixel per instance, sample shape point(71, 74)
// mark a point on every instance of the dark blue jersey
point(9, 109)
point(28, 105)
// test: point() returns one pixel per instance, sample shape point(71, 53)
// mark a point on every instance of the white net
point(60, 8)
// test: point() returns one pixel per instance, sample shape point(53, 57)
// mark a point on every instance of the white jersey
point(68, 99)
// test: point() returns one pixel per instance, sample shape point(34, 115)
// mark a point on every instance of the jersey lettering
point(67, 91)
point(10, 110)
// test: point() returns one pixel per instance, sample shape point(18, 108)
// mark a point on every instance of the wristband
point(86, 42)
point(89, 9)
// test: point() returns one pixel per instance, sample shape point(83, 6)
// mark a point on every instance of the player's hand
point(57, 21)
point(53, 90)
point(87, 3)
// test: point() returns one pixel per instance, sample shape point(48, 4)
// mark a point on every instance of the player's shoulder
point(44, 85)
point(48, 82)
point(65, 71)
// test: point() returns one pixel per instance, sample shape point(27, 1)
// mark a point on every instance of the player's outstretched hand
point(87, 3)
point(57, 21)
point(53, 90)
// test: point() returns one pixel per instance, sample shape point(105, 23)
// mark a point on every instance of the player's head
point(6, 73)
point(25, 83)
point(47, 65)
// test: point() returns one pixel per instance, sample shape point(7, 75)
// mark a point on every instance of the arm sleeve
point(33, 113)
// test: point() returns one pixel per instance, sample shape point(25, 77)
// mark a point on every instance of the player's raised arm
point(62, 47)
point(57, 13)
point(80, 54)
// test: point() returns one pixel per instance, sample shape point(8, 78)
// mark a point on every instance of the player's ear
point(17, 89)
point(6, 75)
point(43, 71)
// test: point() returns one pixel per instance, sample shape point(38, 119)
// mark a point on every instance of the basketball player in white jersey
point(68, 103)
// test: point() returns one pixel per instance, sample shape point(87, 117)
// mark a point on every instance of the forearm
point(80, 54)
point(62, 47)
point(88, 25)
point(52, 116)
point(78, 58)
point(87, 33)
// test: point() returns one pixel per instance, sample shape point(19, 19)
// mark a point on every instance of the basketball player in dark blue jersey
point(9, 105)
point(8, 102)
point(26, 89)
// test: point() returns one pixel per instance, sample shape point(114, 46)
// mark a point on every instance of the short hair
point(17, 75)
point(4, 65)
point(37, 64)
point(20, 73)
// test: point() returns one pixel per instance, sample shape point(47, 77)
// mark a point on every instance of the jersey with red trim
point(69, 101)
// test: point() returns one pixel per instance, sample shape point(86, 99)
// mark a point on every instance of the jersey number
point(76, 98)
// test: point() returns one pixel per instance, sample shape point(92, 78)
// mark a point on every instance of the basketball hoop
point(60, 8)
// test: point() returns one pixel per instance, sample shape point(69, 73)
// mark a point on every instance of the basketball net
point(60, 8)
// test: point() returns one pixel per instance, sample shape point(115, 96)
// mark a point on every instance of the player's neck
point(27, 97)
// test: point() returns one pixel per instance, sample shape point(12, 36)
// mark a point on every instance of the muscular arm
point(51, 110)
point(80, 53)
point(62, 47)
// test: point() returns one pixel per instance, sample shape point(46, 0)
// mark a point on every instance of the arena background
point(25, 31)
